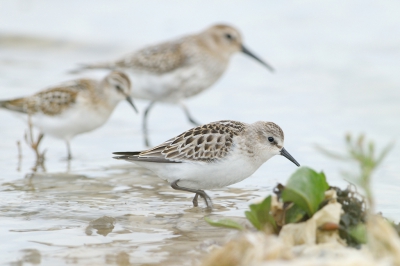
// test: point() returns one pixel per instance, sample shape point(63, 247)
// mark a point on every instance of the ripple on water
point(66, 217)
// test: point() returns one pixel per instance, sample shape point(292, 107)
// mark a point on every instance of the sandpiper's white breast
point(77, 119)
point(241, 161)
point(202, 175)
point(183, 82)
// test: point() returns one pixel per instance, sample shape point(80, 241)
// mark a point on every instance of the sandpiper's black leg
point(188, 115)
point(206, 198)
point(35, 146)
point(144, 125)
point(41, 135)
point(195, 202)
point(69, 150)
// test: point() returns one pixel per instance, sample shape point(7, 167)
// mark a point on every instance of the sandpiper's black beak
point(289, 157)
point(246, 51)
point(129, 99)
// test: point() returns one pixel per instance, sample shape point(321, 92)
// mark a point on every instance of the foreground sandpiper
point(211, 156)
point(73, 107)
point(172, 71)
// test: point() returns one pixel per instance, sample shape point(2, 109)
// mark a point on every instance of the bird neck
point(209, 46)
point(255, 148)
point(107, 95)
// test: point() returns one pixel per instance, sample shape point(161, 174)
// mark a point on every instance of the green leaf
point(359, 233)
point(294, 214)
point(226, 223)
point(259, 214)
point(253, 219)
point(306, 189)
point(262, 209)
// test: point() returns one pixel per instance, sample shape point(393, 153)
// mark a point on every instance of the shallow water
point(337, 72)
point(114, 216)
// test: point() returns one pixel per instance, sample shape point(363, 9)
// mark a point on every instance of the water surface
point(337, 72)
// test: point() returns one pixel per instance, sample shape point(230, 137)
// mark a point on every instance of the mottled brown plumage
point(214, 155)
point(51, 101)
point(159, 59)
point(209, 142)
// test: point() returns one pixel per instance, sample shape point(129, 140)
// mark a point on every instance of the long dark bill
point(246, 51)
point(289, 157)
point(129, 99)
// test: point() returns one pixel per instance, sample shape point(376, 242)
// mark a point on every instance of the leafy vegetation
point(226, 223)
point(259, 215)
point(354, 206)
point(295, 214)
point(306, 189)
point(304, 195)
point(358, 234)
point(364, 154)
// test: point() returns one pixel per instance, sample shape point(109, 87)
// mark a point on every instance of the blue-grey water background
point(337, 71)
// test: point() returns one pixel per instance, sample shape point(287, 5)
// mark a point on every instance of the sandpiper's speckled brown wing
point(49, 102)
point(206, 143)
point(159, 58)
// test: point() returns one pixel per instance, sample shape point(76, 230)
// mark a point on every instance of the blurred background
point(337, 71)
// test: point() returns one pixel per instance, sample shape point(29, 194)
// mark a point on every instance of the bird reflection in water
point(104, 225)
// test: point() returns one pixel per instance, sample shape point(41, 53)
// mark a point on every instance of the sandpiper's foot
point(195, 202)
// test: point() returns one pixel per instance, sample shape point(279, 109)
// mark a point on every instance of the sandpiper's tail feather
point(134, 156)
point(17, 105)
point(128, 153)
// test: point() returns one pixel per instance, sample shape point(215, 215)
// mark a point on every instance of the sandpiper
point(211, 156)
point(172, 71)
point(73, 107)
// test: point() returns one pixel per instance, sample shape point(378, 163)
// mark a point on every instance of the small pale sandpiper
point(211, 156)
point(73, 107)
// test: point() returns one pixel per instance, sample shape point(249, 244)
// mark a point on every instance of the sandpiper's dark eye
point(118, 87)
point(228, 36)
point(270, 139)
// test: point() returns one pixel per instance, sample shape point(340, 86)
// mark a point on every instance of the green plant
point(305, 189)
point(359, 233)
point(364, 154)
point(259, 215)
point(226, 223)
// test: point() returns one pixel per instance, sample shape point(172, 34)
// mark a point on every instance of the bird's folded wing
point(207, 143)
point(50, 102)
point(160, 59)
